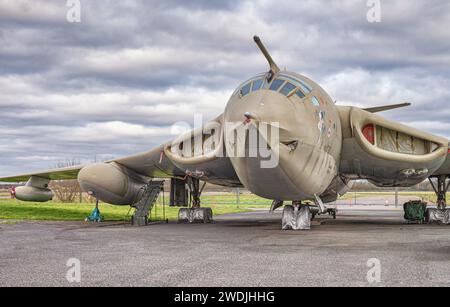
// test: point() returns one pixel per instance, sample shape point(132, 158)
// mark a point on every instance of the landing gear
point(297, 217)
point(275, 205)
point(441, 190)
point(330, 211)
point(195, 214)
point(333, 213)
point(195, 191)
point(440, 215)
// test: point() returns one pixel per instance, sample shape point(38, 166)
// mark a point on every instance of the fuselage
point(304, 161)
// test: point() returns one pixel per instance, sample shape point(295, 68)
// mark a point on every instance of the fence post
point(396, 197)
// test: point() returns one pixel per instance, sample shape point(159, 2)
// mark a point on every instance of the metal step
point(147, 199)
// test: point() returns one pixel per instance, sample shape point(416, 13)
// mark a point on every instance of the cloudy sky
point(115, 83)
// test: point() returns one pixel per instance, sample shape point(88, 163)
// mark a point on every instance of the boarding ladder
point(147, 197)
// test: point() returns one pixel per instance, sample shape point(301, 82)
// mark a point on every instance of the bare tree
point(66, 191)
point(89, 198)
point(68, 163)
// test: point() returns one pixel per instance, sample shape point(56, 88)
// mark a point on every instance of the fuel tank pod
point(112, 183)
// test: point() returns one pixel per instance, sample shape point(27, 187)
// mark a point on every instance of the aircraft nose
point(256, 129)
point(263, 106)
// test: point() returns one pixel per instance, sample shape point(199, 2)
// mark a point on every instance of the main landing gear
point(195, 214)
point(441, 214)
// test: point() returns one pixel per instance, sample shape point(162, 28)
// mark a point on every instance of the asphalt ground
point(247, 249)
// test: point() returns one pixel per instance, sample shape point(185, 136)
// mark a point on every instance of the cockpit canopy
point(282, 83)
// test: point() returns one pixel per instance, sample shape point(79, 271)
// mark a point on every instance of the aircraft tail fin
point(387, 107)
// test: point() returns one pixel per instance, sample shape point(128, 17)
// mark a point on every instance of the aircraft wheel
point(288, 217)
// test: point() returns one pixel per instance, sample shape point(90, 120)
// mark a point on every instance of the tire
point(288, 217)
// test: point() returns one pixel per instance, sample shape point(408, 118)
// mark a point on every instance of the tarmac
point(246, 249)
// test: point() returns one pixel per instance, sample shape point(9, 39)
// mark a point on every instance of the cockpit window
point(285, 84)
point(315, 101)
point(257, 84)
point(246, 89)
point(300, 94)
point(305, 87)
point(276, 84)
point(287, 89)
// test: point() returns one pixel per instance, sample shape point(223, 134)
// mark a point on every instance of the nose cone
point(258, 129)
point(261, 106)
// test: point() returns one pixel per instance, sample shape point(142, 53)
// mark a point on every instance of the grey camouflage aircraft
point(283, 138)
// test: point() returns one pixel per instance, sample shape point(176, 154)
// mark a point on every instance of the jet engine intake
point(112, 183)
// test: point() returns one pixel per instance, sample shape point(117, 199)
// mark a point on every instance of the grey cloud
point(144, 65)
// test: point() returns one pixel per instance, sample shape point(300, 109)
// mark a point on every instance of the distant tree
point(88, 198)
point(66, 191)
point(68, 163)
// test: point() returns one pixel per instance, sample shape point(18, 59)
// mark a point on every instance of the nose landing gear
point(275, 205)
point(297, 217)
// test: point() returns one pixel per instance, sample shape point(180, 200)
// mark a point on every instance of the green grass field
point(54, 211)
point(244, 199)
point(426, 196)
point(221, 204)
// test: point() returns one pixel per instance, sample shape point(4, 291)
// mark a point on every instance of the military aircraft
point(283, 138)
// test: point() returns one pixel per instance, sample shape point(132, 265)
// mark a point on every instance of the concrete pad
point(247, 249)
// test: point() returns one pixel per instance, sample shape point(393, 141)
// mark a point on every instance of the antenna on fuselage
point(274, 69)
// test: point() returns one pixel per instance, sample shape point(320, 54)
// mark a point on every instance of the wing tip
point(387, 107)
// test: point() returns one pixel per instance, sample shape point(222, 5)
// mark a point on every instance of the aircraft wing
point(150, 164)
point(65, 173)
point(162, 161)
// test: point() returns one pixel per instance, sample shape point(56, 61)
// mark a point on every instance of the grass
point(54, 211)
point(13, 210)
point(245, 200)
point(426, 196)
